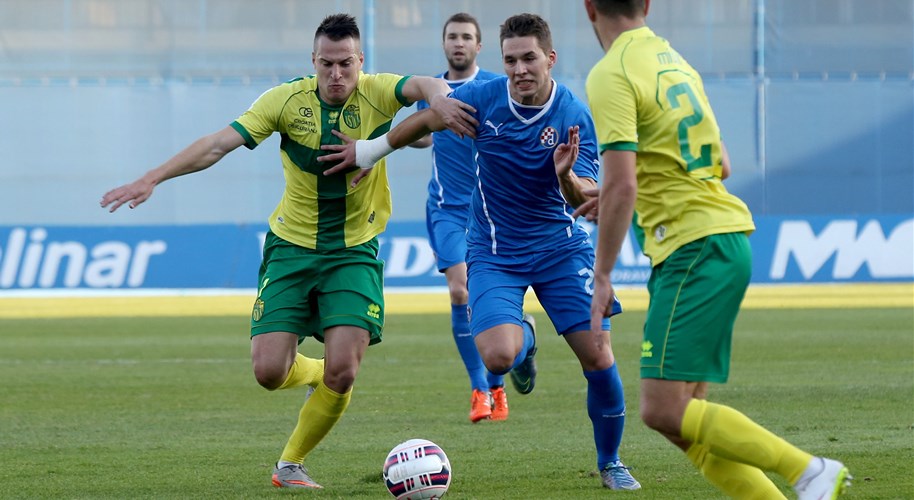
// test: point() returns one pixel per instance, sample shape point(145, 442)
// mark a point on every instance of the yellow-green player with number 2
point(663, 160)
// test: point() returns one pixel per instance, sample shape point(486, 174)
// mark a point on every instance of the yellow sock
point(736, 480)
point(731, 435)
point(304, 370)
point(318, 415)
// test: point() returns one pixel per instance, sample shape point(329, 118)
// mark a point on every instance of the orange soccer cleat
point(499, 404)
point(480, 405)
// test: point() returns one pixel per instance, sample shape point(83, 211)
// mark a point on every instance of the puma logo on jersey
point(494, 127)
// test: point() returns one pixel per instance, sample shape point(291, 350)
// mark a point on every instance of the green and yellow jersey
point(317, 211)
point(646, 98)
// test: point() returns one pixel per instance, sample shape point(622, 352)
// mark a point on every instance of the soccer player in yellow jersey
point(663, 160)
point(320, 275)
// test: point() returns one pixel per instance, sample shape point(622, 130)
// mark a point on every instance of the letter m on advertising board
point(849, 247)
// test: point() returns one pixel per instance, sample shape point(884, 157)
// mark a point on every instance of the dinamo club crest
point(549, 137)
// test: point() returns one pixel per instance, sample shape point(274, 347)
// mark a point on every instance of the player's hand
point(590, 209)
point(134, 194)
point(566, 154)
point(345, 153)
point(601, 304)
point(456, 115)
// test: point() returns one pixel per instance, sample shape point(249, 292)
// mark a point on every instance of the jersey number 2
point(672, 94)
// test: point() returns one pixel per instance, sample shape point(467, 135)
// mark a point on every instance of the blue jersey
point(453, 172)
point(517, 208)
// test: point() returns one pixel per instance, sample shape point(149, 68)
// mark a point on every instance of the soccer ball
point(417, 469)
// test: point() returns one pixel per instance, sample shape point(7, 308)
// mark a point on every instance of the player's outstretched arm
point(455, 115)
point(202, 154)
point(366, 153)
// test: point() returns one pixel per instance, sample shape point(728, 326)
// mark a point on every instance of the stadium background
point(815, 100)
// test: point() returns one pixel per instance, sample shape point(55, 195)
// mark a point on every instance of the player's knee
point(498, 363)
point(340, 380)
point(656, 418)
point(269, 376)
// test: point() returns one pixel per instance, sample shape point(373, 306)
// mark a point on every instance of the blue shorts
point(561, 278)
point(447, 235)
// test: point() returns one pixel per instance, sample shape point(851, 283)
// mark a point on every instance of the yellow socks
point(736, 480)
point(304, 371)
point(318, 415)
point(730, 435)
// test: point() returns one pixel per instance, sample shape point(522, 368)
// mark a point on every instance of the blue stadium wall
point(815, 101)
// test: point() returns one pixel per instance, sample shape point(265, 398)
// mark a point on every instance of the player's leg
point(447, 237)
point(278, 317)
point(347, 315)
point(480, 396)
point(344, 347)
point(496, 302)
point(663, 404)
point(735, 479)
point(695, 296)
point(562, 287)
point(278, 323)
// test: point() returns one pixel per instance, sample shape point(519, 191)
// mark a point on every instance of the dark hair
point(337, 27)
point(462, 17)
point(626, 8)
point(528, 25)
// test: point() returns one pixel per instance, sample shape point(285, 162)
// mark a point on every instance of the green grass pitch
point(168, 408)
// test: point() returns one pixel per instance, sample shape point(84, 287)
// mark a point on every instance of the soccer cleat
point(616, 477)
point(480, 405)
point(293, 476)
point(523, 376)
point(830, 481)
point(499, 404)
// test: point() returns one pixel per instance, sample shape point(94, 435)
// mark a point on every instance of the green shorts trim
point(695, 297)
point(306, 291)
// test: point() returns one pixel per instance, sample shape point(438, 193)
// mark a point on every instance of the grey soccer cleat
point(293, 476)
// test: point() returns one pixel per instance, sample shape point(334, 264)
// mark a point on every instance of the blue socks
point(606, 408)
point(460, 325)
point(528, 344)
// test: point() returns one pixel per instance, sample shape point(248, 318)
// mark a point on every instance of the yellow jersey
point(317, 211)
point(646, 98)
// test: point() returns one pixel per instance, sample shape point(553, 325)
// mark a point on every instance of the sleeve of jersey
point(385, 91)
point(261, 119)
point(614, 105)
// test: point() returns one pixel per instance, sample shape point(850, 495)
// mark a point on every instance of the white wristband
point(370, 151)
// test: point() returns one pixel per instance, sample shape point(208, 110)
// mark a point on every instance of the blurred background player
point(320, 276)
point(663, 158)
point(447, 211)
point(536, 156)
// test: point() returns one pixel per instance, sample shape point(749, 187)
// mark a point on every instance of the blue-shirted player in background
point(452, 183)
point(535, 155)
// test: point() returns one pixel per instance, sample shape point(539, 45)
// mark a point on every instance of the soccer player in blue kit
point(535, 155)
point(447, 210)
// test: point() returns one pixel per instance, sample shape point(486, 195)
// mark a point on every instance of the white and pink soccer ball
point(417, 469)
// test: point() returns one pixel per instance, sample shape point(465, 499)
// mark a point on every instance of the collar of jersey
point(543, 109)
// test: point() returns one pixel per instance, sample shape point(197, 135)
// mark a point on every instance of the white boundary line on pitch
point(218, 292)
